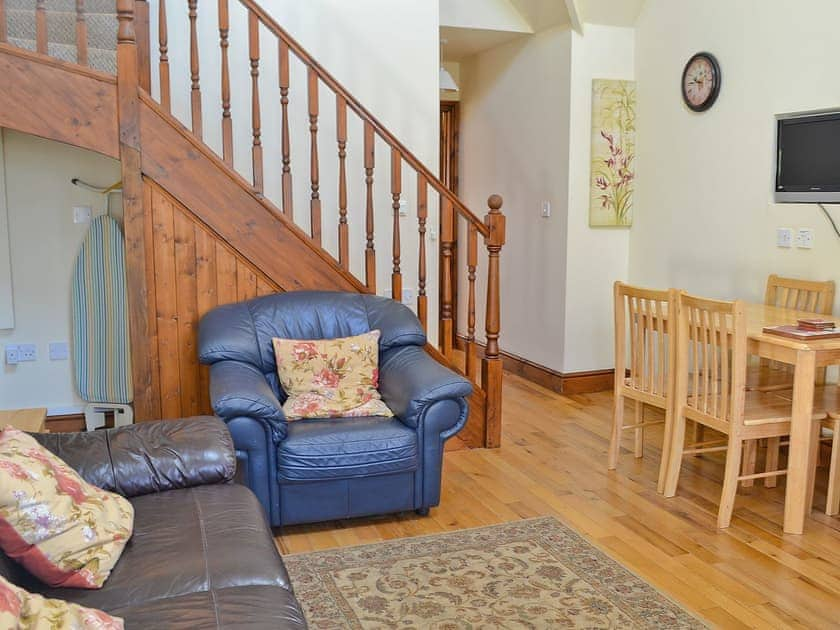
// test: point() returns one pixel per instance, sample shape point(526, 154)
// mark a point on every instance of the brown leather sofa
point(202, 555)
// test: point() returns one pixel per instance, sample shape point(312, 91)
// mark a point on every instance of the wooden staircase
point(198, 233)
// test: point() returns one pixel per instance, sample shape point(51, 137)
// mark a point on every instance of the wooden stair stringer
point(58, 101)
point(228, 205)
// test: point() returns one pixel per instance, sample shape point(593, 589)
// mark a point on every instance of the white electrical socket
point(784, 237)
point(432, 234)
point(12, 356)
point(805, 238)
point(408, 296)
point(403, 207)
point(27, 352)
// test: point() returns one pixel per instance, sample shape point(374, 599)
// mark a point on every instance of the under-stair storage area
point(46, 219)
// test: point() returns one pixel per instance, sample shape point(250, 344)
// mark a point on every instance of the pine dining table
point(805, 357)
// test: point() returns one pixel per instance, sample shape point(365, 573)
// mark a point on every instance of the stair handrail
point(271, 24)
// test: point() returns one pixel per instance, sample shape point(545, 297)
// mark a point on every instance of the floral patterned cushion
point(22, 610)
point(330, 378)
point(63, 530)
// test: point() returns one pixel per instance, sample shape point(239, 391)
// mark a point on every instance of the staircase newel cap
point(495, 222)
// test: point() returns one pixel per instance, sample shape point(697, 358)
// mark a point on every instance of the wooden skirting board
point(570, 383)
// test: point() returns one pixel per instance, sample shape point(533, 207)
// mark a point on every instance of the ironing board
point(101, 352)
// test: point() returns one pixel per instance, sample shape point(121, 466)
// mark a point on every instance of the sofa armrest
point(240, 390)
point(149, 457)
point(410, 380)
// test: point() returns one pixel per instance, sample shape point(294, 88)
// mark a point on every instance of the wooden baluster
point(370, 251)
point(163, 44)
point(315, 203)
point(287, 151)
point(447, 233)
point(472, 263)
point(227, 121)
point(81, 34)
point(491, 368)
point(4, 34)
point(41, 26)
point(195, 90)
point(396, 191)
point(254, 53)
point(341, 132)
point(422, 213)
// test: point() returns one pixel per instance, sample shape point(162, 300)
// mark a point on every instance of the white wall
point(44, 244)
point(525, 133)
point(596, 257)
point(386, 52)
point(705, 220)
point(514, 141)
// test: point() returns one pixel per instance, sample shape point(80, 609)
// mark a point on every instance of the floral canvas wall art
point(613, 170)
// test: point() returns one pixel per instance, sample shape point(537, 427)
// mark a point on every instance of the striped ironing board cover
point(101, 353)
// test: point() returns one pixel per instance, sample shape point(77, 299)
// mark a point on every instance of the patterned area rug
point(535, 573)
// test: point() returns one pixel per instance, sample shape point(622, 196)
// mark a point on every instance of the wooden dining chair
point(642, 344)
point(798, 295)
point(711, 353)
point(826, 412)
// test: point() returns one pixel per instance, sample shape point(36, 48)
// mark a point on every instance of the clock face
point(701, 82)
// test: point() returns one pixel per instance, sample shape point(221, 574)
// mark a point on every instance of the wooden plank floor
point(553, 462)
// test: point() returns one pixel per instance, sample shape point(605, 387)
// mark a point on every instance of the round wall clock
point(701, 82)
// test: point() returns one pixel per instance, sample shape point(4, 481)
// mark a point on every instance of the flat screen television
point(808, 158)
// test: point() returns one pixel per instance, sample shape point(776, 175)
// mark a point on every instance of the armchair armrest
point(149, 457)
point(410, 380)
point(240, 390)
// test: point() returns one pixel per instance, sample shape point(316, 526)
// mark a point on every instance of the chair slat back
point(801, 295)
point(642, 341)
point(711, 357)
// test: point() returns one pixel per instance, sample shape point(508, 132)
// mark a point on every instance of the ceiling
point(463, 42)
point(463, 22)
point(611, 12)
point(542, 14)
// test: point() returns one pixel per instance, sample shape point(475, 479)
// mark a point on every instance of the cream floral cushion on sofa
point(330, 378)
point(62, 529)
point(23, 610)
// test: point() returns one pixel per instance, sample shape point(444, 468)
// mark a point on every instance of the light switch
point(59, 351)
point(403, 207)
point(81, 214)
point(546, 209)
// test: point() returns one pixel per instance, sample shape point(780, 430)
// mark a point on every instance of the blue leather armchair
point(322, 469)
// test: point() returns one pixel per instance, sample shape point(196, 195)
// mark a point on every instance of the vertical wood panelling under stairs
point(195, 270)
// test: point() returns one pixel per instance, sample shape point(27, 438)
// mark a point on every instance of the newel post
point(138, 277)
point(144, 44)
point(491, 367)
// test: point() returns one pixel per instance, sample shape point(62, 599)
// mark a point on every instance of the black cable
point(830, 219)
